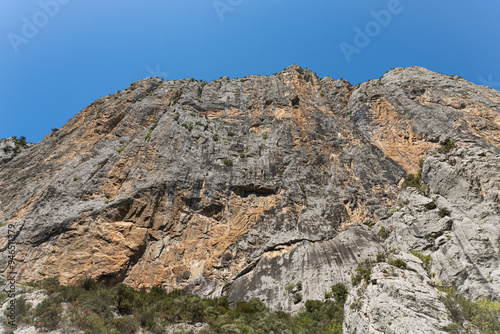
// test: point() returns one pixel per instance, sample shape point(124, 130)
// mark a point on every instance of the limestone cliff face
point(239, 186)
point(11, 147)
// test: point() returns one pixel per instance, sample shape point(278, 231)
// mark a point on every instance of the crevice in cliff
point(269, 249)
point(251, 189)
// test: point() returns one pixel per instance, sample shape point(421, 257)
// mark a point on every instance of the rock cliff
point(247, 186)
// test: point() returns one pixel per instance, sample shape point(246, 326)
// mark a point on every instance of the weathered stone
point(214, 187)
point(396, 300)
point(461, 233)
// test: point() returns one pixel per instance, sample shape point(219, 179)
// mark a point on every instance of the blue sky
point(58, 56)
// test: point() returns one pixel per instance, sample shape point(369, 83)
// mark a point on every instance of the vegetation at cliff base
point(467, 315)
point(98, 308)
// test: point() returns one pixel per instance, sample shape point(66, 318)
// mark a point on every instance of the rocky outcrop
point(396, 300)
point(10, 147)
point(289, 274)
point(457, 220)
point(246, 186)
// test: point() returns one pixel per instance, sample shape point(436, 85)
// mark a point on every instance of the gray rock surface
point(396, 301)
point(11, 147)
point(307, 269)
point(245, 186)
point(457, 222)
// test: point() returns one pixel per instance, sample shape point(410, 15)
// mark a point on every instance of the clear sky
point(58, 56)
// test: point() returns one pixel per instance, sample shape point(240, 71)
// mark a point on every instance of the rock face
point(457, 222)
point(10, 147)
point(246, 186)
point(306, 269)
point(396, 301)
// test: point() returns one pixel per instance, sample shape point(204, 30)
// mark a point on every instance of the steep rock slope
point(10, 147)
point(457, 220)
point(211, 186)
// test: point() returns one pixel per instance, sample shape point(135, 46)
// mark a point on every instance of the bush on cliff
point(97, 308)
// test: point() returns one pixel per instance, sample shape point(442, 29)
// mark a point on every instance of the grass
point(93, 307)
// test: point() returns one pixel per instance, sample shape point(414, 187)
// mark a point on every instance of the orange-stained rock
point(188, 184)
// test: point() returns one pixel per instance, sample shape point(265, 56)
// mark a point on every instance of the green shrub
point(397, 263)
point(245, 307)
point(257, 304)
point(313, 305)
point(380, 258)
point(363, 272)
point(231, 134)
point(215, 138)
point(446, 146)
point(297, 298)
point(125, 298)
point(411, 181)
point(444, 212)
point(90, 310)
point(340, 291)
point(426, 259)
point(356, 304)
point(88, 284)
point(382, 233)
point(21, 313)
point(51, 285)
point(416, 182)
point(243, 155)
point(48, 313)
point(265, 136)
point(483, 314)
point(431, 205)
point(228, 162)
point(126, 325)
point(120, 149)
